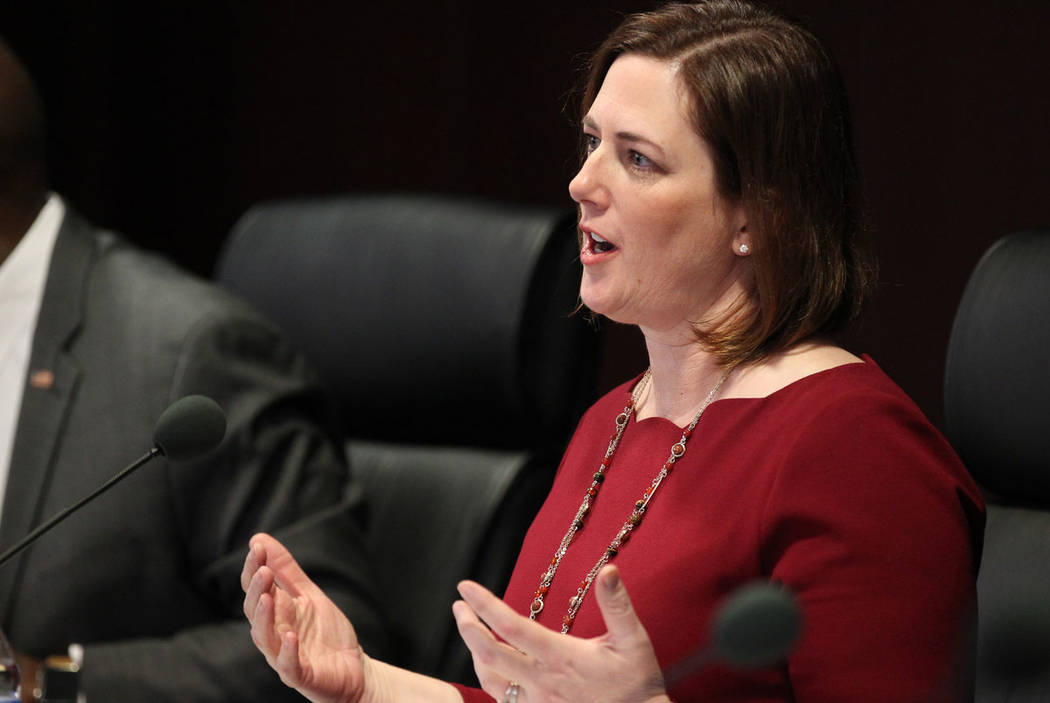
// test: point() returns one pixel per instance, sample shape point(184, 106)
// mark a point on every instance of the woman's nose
point(586, 185)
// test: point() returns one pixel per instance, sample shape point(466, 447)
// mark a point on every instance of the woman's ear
point(742, 241)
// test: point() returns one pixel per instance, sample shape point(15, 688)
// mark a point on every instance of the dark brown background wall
point(168, 120)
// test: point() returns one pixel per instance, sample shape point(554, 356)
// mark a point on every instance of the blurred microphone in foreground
point(757, 626)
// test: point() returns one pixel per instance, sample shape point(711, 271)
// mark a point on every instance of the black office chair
point(997, 415)
point(443, 328)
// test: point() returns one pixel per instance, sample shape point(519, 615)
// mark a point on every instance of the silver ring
point(511, 694)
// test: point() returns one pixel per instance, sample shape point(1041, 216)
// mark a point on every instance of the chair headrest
point(431, 319)
point(997, 378)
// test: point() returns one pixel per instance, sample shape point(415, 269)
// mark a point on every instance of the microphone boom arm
point(59, 517)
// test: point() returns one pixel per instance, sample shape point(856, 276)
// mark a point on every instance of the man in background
point(97, 338)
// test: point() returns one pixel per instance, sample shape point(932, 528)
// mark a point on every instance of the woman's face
point(658, 242)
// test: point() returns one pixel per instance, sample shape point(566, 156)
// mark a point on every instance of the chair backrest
point(997, 390)
point(443, 328)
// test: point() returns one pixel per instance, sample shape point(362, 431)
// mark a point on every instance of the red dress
point(835, 485)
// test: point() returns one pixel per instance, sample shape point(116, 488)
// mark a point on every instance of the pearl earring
point(745, 249)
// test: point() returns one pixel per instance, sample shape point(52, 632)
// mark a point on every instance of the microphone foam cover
point(190, 427)
point(757, 626)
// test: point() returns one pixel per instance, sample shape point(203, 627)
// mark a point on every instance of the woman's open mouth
point(599, 245)
point(594, 248)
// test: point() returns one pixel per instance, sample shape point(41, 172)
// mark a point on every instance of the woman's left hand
point(617, 667)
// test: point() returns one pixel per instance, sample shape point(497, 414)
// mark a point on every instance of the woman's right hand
point(304, 636)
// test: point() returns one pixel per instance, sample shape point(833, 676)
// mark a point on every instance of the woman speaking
point(718, 203)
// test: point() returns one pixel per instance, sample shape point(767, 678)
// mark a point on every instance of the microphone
point(190, 426)
point(757, 625)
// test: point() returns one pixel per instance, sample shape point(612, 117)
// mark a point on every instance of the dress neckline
point(866, 363)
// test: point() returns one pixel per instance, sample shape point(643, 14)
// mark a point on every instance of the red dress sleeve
point(473, 695)
point(875, 525)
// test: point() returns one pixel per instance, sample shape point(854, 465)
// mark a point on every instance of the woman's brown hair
point(769, 101)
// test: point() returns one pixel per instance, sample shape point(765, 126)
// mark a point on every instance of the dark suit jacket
point(146, 577)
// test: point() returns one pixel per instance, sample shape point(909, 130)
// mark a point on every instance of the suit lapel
point(49, 391)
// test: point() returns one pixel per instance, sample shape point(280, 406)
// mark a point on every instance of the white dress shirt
point(22, 278)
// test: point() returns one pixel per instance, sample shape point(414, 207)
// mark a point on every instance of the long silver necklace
point(633, 520)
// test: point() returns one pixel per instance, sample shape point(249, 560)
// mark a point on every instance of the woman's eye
point(590, 142)
point(640, 160)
